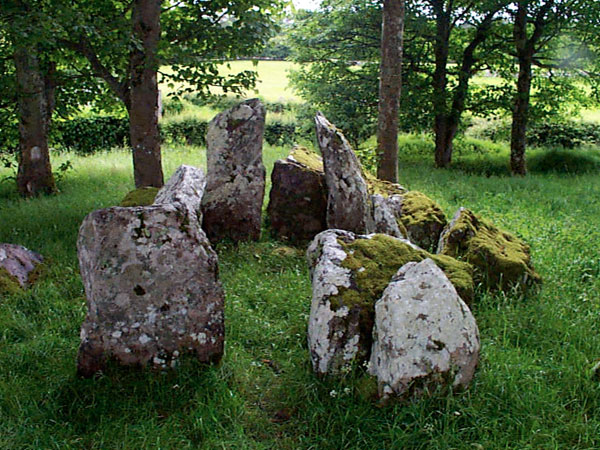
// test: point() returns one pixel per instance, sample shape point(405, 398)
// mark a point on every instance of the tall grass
point(533, 388)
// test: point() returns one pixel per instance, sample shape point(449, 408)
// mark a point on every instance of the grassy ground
point(533, 388)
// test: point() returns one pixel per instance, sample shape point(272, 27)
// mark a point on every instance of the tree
point(536, 24)
point(459, 34)
point(127, 42)
point(31, 80)
point(474, 20)
point(390, 85)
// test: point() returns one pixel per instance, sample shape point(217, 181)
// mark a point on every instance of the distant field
point(272, 76)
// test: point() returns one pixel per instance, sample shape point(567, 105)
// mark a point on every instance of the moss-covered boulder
point(421, 217)
point(297, 208)
point(140, 197)
point(349, 274)
point(500, 259)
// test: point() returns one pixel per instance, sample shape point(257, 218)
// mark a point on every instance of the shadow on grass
point(132, 395)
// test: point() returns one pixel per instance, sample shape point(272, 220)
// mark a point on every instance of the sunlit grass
point(533, 388)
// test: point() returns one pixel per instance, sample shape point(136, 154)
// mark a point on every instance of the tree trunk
point(524, 47)
point(445, 131)
point(390, 86)
point(144, 109)
point(440, 81)
point(35, 99)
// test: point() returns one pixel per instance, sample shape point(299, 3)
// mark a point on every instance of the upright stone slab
point(348, 200)
point(184, 189)
point(153, 294)
point(424, 334)
point(16, 266)
point(235, 185)
point(349, 273)
point(298, 200)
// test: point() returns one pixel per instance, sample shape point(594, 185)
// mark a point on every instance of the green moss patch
point(140, 197)
point(309, 159)
point(373, 263)
point(418, 209)
point(9, 285)
point(501, 260)
point(384, 188)
point(423, 220)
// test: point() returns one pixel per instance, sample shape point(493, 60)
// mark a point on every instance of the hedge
point(90, 134)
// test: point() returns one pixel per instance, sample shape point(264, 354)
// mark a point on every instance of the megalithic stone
point(152, 288)
point(348, 199)
point(235, 184)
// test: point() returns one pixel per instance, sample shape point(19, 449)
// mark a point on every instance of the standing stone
point(153, 294)
point(184, 189)
point(298, 199)
point(235, 186)
point(16, 265)
point(424, 334)
point(348, 200)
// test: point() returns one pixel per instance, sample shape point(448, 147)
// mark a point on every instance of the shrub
point(189, 130)
point(566, 134)
point(89, 134)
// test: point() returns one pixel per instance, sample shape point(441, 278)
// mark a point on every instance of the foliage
point(90, 134)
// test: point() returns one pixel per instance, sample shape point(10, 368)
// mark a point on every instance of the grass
point(533, 388)
point(272, 79)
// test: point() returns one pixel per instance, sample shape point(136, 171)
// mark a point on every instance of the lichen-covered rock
point(140, 197)
point(384, 217)
point(152, 288)
point(420, 216)
point(348, 200)
point(184, 189)
point(501, 260)
point(17, 267)
point(424, 334)
point(349, 273)
point(235, 185)
point(298, 200)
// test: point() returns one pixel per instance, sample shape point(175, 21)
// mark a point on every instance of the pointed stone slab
point(152, 288)
point(348, 200)
point(235, 185)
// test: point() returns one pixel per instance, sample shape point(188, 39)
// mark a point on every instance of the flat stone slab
point(349, 274)
point(298, 200)
point(152, 288)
